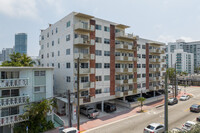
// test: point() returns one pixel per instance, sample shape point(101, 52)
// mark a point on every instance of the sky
point(159, 20)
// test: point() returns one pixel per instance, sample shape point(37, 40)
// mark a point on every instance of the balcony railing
point(85, 71)
point(7, 83)
point(12, 101)
point(82, 56)
point(7, 120)
point(122, 35)
point(85, 85)
point(124, 70)
point(83, 41)
point(84, 27)
point(155, 60)
point(119, 94)
point(124, 46)
point(123, 58)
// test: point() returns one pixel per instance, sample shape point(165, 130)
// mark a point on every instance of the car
point(176, 130)
point(88, 111)
point(154, 128)
point(198, 119)
point(170, 86)
point(184, 97)
point(172, 101)
point(195, 108)
point(131, 99)
point(188, 125)
point(70, 130)
point(108, 107)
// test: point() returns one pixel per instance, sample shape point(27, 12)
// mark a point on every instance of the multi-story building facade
point(184, 61)
point(113, 64)
point(189, 47)
point(5, 55)
point(17, 84)
point(21, 43)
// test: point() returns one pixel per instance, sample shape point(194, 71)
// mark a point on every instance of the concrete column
point(154, 93)
point(102, 106)
point(11, 128)
point(124, 98)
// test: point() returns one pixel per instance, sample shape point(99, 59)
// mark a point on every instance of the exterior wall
point(112, 60)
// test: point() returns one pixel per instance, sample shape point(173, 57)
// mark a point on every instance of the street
point(178, 114)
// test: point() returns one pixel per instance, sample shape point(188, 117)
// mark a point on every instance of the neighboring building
point(5, 56)
point(36, 60)
point(184, 61)
point(1, 56)
point(189, 47)
point(21, 43)
point(17, 84)
point(193, 80)
point(113, 64)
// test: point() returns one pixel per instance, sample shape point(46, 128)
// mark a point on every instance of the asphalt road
point(178, 114)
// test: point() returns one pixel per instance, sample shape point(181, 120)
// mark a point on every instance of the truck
point(90, 112)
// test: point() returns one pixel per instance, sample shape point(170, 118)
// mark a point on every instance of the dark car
point(108, 107)
point(131, 99)
point(198, 119)
point(172, 101)
point(195, 108)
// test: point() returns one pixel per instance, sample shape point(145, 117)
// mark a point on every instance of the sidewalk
point(114, 117)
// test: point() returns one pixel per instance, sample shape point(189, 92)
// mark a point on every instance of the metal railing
point(21, 82)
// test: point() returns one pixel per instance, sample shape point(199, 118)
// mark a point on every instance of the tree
point(141, 100)
point(197, 70)
point(18, 60)
point(171, 73)
point(37, 114)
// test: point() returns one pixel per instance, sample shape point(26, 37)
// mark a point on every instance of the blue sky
point(161, 20)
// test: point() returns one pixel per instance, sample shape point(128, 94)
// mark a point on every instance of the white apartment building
point(17, 84)
point(184, 61)
point(113, 63)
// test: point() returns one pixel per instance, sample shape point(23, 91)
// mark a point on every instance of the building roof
point(26, 68)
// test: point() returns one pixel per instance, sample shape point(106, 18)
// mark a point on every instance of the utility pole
point(69, 108)
point(166, 103)
point(175, 82)
point(78, 107)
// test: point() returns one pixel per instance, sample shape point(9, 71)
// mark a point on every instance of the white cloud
point(57, 5)
point(19, 8)
point(169, 38)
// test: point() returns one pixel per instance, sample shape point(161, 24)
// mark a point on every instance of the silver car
point(155, 128)
point(184, 97)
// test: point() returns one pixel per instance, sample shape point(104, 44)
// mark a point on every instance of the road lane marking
point(187, 110)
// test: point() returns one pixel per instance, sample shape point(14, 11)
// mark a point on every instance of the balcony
point(135, 80)
point(84, 71)
point(123, 47)
point(12, 119)
point(9, 83)
point(83, 27)
point(124, 70)
point(13, 101)
point(122, 35)
point(82, 56)
point(154, 51)
point(153, 60)
point(83, 41)
point(162, 60)
point(119, 94)
point(85, 85)
point(163, 69)
point(152, 78)
point(152, 87)
point(124, 58)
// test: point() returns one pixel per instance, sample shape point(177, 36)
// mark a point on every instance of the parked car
point(131, 99)
point(108, 107)
point(184, 97)
point(70, 130)
point(188, 125)
point(195, 108)
point(198, 119)
point(172, 101)
point(154, 128)
point(170, 86)
point(176, 130)
point(89, 112)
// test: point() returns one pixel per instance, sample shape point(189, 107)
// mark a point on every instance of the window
point(143, 47)
point(106, 29)
point(138, 55)
point(47, 55)
point(84, 79)
point(39, 73)
point(138, 75)
point(47, 45)
point(58, 65)
point(130, 76)
point(98, 65)
point(42, 37)
point(98, 52)
point(68, 79)
point(98, 78)
point(52, 32)
point(58, 40)
point(138, 65)
point(48, 34)
point(106, 65)
point(52, 64)
point(67, 65)
point(143, 84)
point(98, 40)
point(52, 54)
point(58, 53)
point(98, 27)
point(138, 45)
point(52, 43)
point(48, 64)
point(84, 93)
point(98, 91)
point(106, 53)
point(36, 89)
point(106, 41)
point(106, 77)
point(143, 65)
point(67, 37)
point(68, 24)
point(56, 30)
point(143, 56)
point(130, 65)
point(67, 51)
point(138, 85)
point(42, 46)
point(117, 53)
point(143, 75)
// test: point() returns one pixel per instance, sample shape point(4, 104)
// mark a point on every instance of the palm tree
point(141, 100)
point(171, 73)
point(26, 61)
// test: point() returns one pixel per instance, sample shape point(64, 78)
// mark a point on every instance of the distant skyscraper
point(21, 43)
